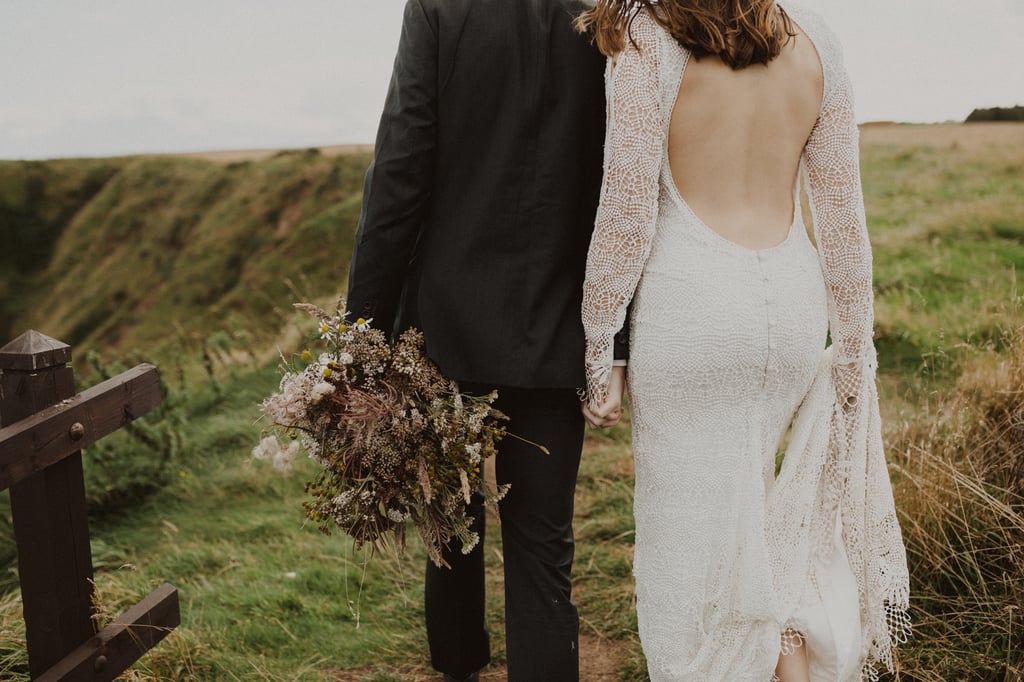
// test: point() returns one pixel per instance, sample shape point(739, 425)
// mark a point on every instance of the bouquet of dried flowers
point(396, 441)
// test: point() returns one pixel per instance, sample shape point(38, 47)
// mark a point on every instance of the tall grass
point(959, 482)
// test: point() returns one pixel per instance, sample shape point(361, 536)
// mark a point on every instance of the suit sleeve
point(398, 183)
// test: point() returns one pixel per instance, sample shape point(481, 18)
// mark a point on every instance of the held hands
point(610, 412)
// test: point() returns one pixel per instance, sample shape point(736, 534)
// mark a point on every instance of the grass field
point(266, 598)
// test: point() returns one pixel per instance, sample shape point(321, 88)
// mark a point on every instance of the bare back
point(735, 140)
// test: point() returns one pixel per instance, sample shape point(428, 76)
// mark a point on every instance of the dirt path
point(600, 661)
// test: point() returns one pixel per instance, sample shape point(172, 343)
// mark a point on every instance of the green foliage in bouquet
point(395, 439)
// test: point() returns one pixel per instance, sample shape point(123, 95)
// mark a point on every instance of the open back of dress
point(736, 137)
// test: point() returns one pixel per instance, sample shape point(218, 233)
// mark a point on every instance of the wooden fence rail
point(45, 427)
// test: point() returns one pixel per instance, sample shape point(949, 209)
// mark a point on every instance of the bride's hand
point(610, 412)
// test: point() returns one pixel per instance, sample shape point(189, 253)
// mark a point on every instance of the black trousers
point(541, 622)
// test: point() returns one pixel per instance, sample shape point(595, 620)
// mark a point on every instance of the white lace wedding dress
point(734, 564)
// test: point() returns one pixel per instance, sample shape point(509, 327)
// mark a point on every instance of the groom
point(476, 219)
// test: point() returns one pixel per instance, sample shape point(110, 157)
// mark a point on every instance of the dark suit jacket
point(480, 201)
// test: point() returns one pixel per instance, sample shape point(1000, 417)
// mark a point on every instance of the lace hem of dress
point(857, 487)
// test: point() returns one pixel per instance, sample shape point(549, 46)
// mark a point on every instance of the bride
point(716, 109)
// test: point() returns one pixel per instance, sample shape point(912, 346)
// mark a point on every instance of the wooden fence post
point(48, 509)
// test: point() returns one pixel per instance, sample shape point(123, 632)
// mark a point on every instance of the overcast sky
point(103, 77)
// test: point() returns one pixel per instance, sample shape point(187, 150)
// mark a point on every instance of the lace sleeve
point(624, 225)
point(831, 161)
point(856, 476)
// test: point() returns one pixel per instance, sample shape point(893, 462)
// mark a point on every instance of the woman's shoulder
point(825, 40)
point(644, 25)
point(644, 34)
point(814, 25)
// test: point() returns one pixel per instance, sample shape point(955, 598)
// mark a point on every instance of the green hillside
point(153, 253)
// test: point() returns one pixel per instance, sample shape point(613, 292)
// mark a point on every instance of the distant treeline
point(997, 114)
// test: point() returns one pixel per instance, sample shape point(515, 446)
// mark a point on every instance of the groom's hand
point(610, 412)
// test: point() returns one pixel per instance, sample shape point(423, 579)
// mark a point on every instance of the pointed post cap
point(32, 351)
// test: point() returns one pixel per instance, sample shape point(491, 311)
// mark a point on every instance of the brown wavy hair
point(739, 32)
